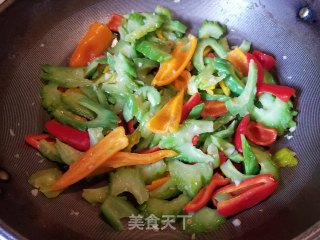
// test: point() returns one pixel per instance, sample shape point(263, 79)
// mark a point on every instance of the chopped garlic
point(12, 132)
point(34, 192)
point(292, 129)
point(74, 213)
point(114, 42)
point(236, 222)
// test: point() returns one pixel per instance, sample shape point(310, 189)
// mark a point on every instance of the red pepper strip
point(62, 89)
point(211, 55)
point(204, 195)
point(193, 101)
point(260, 135)
point(267, 61)
point(195, 140)
point(131, 126)
point(122, 122)
point(34, 139)
point(245, 195)
point(213, 108)
point(115, 22)
point(259, 66)
point(150, 150)
point(69, 135)
point(222, 158)
point(241, 129)
point(284, 93)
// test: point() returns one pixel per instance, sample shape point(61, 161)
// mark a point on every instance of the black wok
point(37, 32)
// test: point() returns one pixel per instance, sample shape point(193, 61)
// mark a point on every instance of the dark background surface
point(37, 32)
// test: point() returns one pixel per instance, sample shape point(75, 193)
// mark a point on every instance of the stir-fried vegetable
point(171, 120)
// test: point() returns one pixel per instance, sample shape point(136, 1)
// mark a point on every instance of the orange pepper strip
point(157, 183)
point(239, 60)
point(93, 44)
point(93, 158)
point(182, 81)
point(100, 171)
point(122, 159)
point(172, 69)
point(168, 118)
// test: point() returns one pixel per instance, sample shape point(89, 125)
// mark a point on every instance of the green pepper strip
point(251, 166)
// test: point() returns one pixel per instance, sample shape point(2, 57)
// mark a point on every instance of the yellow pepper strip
point(159, 34)
point(157, 183)
point(134, 139)
point(122, 159)
point(79, 118)
point(239, 60)
point(106, 69)
point(93, 158)
point(181, 55)
point(206, 51)
point(168, 118)
point(72, 90)
point(225, 89)
point(182, 81)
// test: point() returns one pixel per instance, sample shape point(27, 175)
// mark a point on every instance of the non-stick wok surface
point(37, 32)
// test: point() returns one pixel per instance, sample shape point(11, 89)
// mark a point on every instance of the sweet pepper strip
point(75, 138)
point(244, 195)
point(251, 165)
point(168, 118)
point(93, 158)
point(204, 195)
point(157, 183)
point(224, 88)
point(284, 93)
point(241, 129)
point(131, 126)
point(239, 60)
point(267, 61)
point(191, 103)
point(172, 69)
point(182, 81)
point(114, 22)
point(34, 139)
point(259, 134)
point(151, 150)
point(122, 159)
point(214, 108)
point(222, 158)
point(93, 44)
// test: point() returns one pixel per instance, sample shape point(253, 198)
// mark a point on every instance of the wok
point(37, 32)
